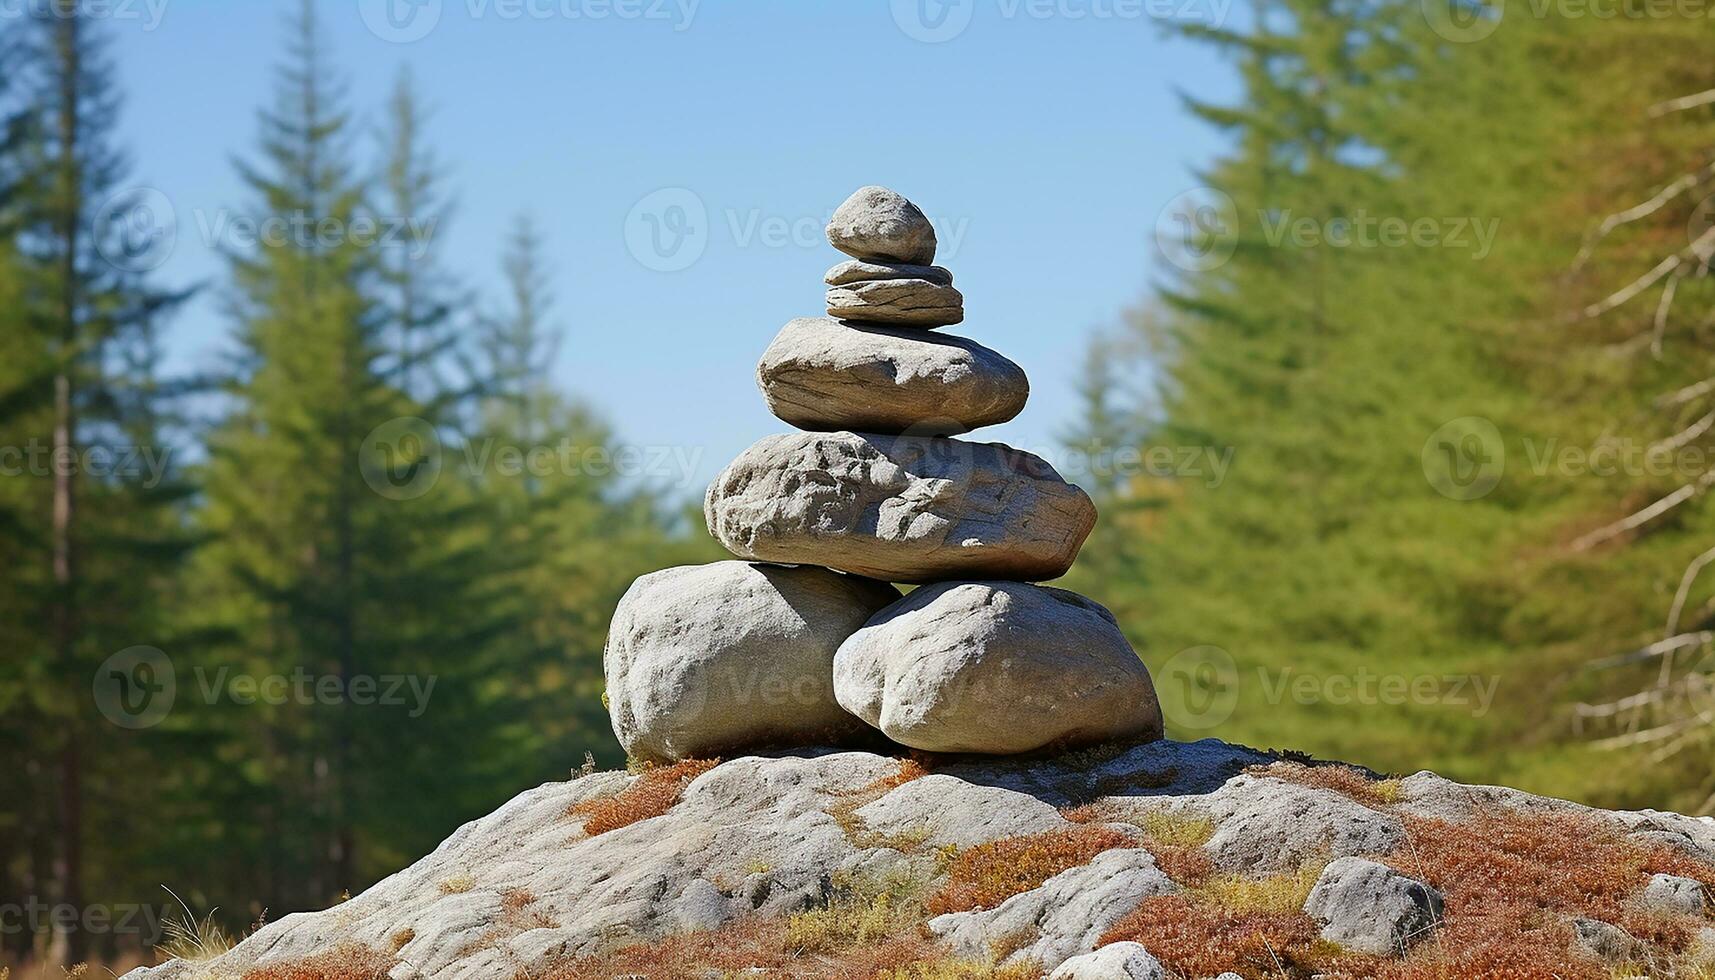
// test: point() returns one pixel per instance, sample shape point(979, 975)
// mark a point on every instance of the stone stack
point(804, 642)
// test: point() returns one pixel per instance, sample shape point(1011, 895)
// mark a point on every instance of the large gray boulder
point(822, 375)
point(1371, 908)
point(905, 302)
point(879, 225)
point(899, 508)
point(704, 659)
point(996, 668)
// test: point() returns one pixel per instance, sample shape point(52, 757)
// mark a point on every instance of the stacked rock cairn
point(806, 641)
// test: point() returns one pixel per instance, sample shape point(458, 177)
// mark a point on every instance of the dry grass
point(962, 970)
point(861, 912)
point(185, 937)
point(1346, 780)
point(752, 945)
point(457, 884)
point(653, 793)
point(988, 874)
point(1512, 880)
point(348, 962)
point(1273, 894)
point(1176, 840)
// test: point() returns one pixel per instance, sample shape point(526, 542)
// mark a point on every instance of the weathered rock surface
point(1115, 961)
point(1371, 908)
point(704, 659)
point(766, 836)
point(996, 667)
point(1673, 893)
point(823, 375)
point(1064, 917)
point(899, 508)
point(1265, 825)
point(879, 225)
point(905, 302)
point(857, 270)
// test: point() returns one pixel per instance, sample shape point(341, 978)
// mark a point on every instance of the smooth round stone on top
point(880, 225)
point(703, 660)
point(906, 302)
point(899, 508)
point(824, 375)
point(996, 667)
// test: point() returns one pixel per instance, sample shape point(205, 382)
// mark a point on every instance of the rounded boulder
point(705, 660)
point(996, 668)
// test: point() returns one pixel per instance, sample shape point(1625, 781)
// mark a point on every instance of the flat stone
point(1371, 908)
point(879, 225)
point(705, 659)
point(857, 270)
point(899, 508)
point(996, 668)
point(823, 375)
point(910, 302)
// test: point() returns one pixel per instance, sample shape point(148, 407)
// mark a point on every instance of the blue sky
point(1044, 137)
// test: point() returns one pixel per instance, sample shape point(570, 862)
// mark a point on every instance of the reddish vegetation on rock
point(989, 874)
point(651, 795)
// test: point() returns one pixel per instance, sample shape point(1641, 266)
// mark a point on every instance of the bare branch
point(1681, 104)
point(1686, 393)
point(1691, 573)
point(1699, 249)
point(1638, 211)
point(1661, 310)
point(1650, 513)
point(1686, 435)
point(1657, 649)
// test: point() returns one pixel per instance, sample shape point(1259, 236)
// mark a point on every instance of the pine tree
point(86, 301)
